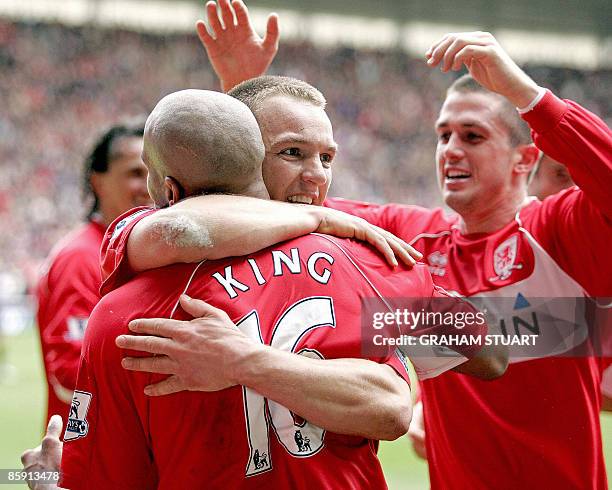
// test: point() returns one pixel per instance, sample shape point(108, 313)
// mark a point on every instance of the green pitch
point(22, 409)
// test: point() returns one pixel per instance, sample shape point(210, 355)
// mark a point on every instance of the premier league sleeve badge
point(77, 425)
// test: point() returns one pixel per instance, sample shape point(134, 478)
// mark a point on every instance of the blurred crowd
point(61, 86)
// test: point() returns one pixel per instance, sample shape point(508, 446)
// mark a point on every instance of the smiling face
point(300, 149)
point(474, 156)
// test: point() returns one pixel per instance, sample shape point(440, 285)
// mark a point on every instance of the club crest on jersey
point(77, 425)
point(504, 258)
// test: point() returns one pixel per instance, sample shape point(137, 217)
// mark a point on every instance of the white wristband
point(534, 102)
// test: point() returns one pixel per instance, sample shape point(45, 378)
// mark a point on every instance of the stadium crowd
point(60, 86)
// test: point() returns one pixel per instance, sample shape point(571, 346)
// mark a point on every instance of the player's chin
point(457, 200)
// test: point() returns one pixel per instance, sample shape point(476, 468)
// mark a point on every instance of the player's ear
point(526, 158)
point(173, 190)
point(96, 183)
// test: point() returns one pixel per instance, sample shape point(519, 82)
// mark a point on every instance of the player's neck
point(492, 220)
point(256, 189)
point(103, 218)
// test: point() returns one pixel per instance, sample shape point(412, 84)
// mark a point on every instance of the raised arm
point(346, 396)
point(487, 62)
point(573, 220)
point(235, 50)
point(562, 129)
point(219, 226)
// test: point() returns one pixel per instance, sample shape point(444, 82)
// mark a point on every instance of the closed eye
point(473, 137)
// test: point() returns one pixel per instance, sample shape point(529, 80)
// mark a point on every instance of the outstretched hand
point(486, 61)
point(234, 49)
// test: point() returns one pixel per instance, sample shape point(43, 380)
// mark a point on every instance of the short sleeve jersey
point(114, 264)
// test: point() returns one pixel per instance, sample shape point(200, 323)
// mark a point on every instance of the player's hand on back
point(416, 431)
point(344, 225)
point(486, 61)
point(199, 355)
point(235, 50)
point(46, 457)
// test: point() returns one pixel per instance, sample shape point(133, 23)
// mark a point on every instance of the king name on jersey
point(317, 266)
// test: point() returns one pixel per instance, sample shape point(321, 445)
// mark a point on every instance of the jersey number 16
point(299, 438)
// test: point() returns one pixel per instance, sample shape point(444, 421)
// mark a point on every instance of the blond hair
point(254, 91)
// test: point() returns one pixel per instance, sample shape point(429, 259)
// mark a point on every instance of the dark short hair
point(102, 155)
point(517, 128)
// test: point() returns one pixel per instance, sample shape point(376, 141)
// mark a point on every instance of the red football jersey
point(426, 360)
point(303, 296)
point(113, 254)
point(67, 292)
point(538, 425)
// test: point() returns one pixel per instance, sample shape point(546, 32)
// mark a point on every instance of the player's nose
point(453, 149)
point(314, 172)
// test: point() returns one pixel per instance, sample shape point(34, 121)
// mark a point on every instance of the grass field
point(22, 407)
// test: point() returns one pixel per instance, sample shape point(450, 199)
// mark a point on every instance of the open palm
point(234, 49)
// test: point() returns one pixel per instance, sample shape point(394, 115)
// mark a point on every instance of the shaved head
point(206, 141)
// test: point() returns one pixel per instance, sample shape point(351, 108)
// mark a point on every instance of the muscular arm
point(575, 225)
point(347, 396)
point(219, 226)
point(213, 227)
point(336, 394)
